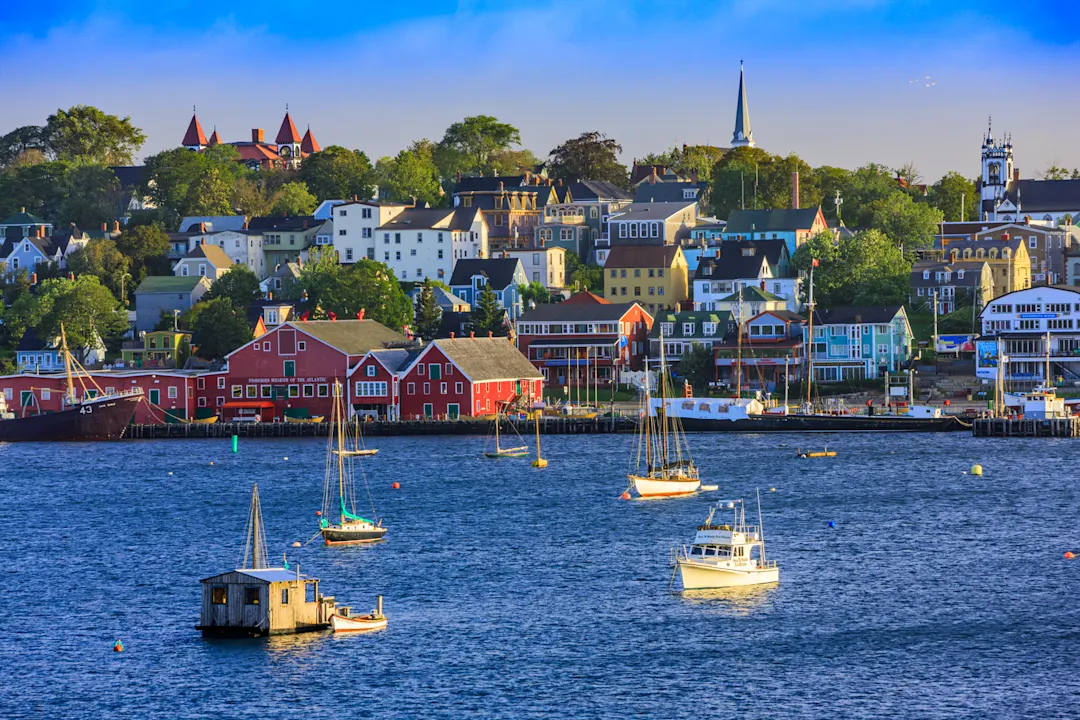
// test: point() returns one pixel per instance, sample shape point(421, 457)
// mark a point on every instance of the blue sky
point(841, 82)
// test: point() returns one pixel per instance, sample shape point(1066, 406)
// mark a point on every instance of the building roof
point(23, 218)
point(653, 210)
point(641, 256)
point(577, 312)
point(488, 358)
point(309, 144)
point(747, 221)
point(211, 253)
point(214, 138)
point(283, 223)
point(288, 133)
point(731, 267)
point(393, 359)
point(668, 192)
point(129, 175)
point(499, 271)
point(215, 222)
point(785, 315)
point(257, 152)
point(1036, 196)
point(194, 134)
point(698, 317)
point(489, 183)
point(597, 190)
point(585, 298)
point(31, 342)
point(744, 134)
point(858, 314)
point(414, 218)
point(973, 270)
point(752, 293)
point(352, 337)
point(1014, 243)
point(170, 284)
point(272, 574)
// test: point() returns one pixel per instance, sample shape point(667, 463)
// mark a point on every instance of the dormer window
point(667, 328)
point(748, 252)
point(689, 194)
point(925, 274)
point(688, 328)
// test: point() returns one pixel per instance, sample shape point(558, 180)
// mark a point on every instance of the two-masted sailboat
point(339, 489)
point(668, 469)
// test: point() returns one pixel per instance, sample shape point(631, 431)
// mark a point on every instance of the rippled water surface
point(518, 593)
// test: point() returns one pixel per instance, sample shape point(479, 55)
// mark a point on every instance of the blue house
point(503, 275)
point(794, 227)
point(855, 343)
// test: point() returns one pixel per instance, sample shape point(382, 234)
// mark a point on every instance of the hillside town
point(243, 278)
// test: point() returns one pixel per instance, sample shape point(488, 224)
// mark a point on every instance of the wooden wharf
point(1023, 427)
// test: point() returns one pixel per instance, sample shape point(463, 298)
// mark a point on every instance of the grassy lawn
point(595, 396)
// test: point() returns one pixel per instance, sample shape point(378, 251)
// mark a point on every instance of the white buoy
point(976, 469)
point(772, 489)
point(170, 474)
point(286, 457)
point(710, 488)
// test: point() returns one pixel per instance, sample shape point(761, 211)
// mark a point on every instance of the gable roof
point(668, 192)
point(211, 253)
point(393, 359)
point(23, 218)
point(747, 221)
point(585, 298)
point(31, 341)
point(283, 223)
point(488, 183)
point(216, 222)
point(697, 317)
point(484, 358)
point(170, 284)
point(352, 337)
point(423, 218)
point(1037, 196)
point(858, 314)
point(639, 256)
point(129, 175)
point(597, 190)
point(499, 271)
point(652, 210)
point(577, 312)
point(752, 293)
point(731, 267)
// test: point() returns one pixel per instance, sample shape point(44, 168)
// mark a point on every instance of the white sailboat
point(668, 469)
point(726, 555)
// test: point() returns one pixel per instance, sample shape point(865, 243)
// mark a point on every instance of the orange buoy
point(1069, 555)
point(625, 496)
point(396, 485)
point(318, 513)
point(118, 646)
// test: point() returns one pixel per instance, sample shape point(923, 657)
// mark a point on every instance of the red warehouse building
point(585, 339)
point(467, 376)
point(290, 369)
point(373, 384)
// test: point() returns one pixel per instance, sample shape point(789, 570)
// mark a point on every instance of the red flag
point(305, 316)
point(360, 315)
point(332, 315)
point(406, 331)
point(815, 262)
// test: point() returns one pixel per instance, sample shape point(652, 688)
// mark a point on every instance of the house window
point(688, 328)
point(266, 346)
point(251, 596)
point(284, 596)
point(925, 274)
point(622, 230)
point(267, 391)
point(341, 231)
point(410, 389)
point(427, 388)
point(435, 371)
point(172, 392)
point(301, 346)
point(419, 237)
point(442, 388)
point(221, 383)
point(439, 238)
point(386, 238)
point(294, 391)
point(251, 391)
point(348, 254)
point(219, 595)
point(371, 370)
point(309, 391)
point(459, 388)
point(237, 391)
point(397, 238)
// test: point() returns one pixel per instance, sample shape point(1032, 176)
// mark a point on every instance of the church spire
point(194, 138)
point(743, 135)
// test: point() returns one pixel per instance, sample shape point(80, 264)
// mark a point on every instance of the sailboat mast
point(647, 420)
point(67, 366)
point(760, 526)
point(810, 338)
point(663, 409)
point(341, 447)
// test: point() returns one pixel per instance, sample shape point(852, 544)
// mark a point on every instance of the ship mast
point(663, 409)
point(67, 366)
point(339, 411)
point(255, 542)
point(646, 419)
point(810, 336)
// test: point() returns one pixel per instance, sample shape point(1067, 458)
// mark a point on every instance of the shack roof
point(270, 575)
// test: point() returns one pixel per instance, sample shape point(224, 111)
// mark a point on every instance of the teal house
point(794, 227)
point(856, 343)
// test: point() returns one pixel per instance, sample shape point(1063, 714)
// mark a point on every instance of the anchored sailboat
point(339, 490)
point(668, 468)
point(358, 449)
point(508, 452)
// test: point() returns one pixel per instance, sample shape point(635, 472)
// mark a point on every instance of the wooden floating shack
point(256, 600)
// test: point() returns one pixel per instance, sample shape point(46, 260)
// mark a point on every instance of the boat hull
point(364, 623)
point(698, 576)
point(655, 487)
point(355, 453)
point(352, 536)
point(99, 419)
point(822, 423)
point(504, 455)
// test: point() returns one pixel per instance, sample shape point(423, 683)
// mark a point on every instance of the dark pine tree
point(487, 314)
point(428, 315)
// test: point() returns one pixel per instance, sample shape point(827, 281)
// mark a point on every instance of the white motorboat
point(726, 555)
point(344, 621)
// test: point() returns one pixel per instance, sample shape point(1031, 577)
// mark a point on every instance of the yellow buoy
point(539, 463)
point(976, 469)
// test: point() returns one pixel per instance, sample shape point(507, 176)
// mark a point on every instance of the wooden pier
point(1024, 427)
point(548, 426)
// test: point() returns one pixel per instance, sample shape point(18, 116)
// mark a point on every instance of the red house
point(373, 383)
point(290, 369)
point(585, 339)
point(467, 376)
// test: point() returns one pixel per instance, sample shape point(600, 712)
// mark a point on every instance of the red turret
point(215, 139)
point(309, 144)
point(287, 135)
point(194, 137)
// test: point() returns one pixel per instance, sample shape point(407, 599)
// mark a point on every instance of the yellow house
point(1009, 262)
point(655, 276)
point(161, 348)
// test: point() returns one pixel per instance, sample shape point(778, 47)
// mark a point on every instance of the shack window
point(219, 595)
point(284, 596)
point(309, 592)
point(251, 596)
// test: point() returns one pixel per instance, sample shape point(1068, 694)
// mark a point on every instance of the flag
point(360, 315)
point(305, 316)
point(815, 263)
point(332, 315)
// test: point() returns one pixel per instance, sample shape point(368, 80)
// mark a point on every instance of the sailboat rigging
point(508, 452)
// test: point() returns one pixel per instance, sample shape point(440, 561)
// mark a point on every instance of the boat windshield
point(710, 551)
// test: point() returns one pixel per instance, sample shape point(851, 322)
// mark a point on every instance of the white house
point(420, 243)
point(545, 265)
point(205, 260)
point(354, 224)
point(243, 247)
point(1021, 320)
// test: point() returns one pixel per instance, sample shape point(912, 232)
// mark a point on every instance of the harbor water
point(521, 593)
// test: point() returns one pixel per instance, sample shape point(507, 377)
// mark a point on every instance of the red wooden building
point(373, 382)
point(467, 376)
point(585, 339)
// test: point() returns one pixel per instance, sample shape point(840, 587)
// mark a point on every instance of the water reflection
point(300, 644)
point(736, 600)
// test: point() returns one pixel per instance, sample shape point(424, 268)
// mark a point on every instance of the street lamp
point(123, 296)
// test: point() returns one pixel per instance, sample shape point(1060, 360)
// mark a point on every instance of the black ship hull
point(346, 536)
point(825, 423)
point(103, 418)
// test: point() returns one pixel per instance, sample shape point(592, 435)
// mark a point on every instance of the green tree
point(488, 316)
point(514, 162)
point(249, 197)
point(239, 285)
point(210, 194)
point(830, 181)
point(194, 183)
point(867, 268)
point(217, 328)
point(584, 276)
point(86, 133)
point(338, 174)
point(590, 156)
point(293, 199)
point(468, 144)
point(909, 224)
point(147, 248)
point(948, 193)
point(92, 196)
point(698, 367)
point(534, 292)
point(428, 315)
point(86, 309)
point(20, 141)
point(40, 188)
point(411, 174)
point(102, 259)
point(346, 290)
point(865, 186)
point(733, 178)
point(1056, 172)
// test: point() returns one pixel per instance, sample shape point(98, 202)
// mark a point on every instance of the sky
point(839, 82)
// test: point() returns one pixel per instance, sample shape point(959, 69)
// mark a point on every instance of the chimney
point(1027, 219)
point(795, 190)
point(104, 227)
point(305, 224)
point(202, 241)
point(501, 186)
point(490, 334)
point(452, 334)
point(116, 226)
point(202, 227)
point(472, 334)
point(1016, 174)
point(245, 223)
point(257, 135)
point(560, 182)
point(33, 278)
point(458, 180)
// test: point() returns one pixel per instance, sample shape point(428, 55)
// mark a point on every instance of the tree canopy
point(88, 134)
point(411, 175)
point(337, 173)
point(428, 316)
point(87, 310)
point(866, 268)
point(345, 290)
point(468, 145)
point(217, 328)
point(590, 156)
point(488, 316)
point(239, 285)
point(102, 259)
point(147, 248)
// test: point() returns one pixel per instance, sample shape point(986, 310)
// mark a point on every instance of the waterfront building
point(748, 301)
point(167, 295)
point(964, 282)
point(653, 275)
point(374, 387)
point(34, 354)
point(793, 226)
point(585, 339)
point(1021, 320)
point(452, 377)
point(856, 343)
point(770, 353)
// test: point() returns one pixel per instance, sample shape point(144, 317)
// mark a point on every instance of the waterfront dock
point(1023, 427)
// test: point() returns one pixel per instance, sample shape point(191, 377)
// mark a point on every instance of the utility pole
point(962, 196)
